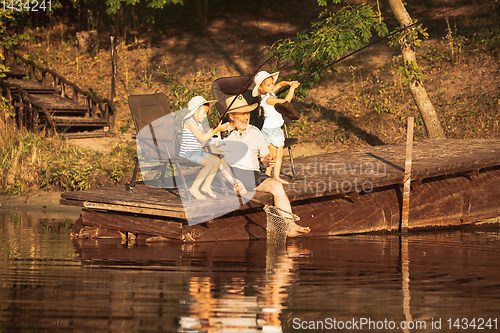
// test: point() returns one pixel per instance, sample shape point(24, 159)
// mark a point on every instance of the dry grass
point(32, 161)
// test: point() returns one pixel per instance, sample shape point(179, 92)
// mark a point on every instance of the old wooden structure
point(454, 182)
point(40, 98)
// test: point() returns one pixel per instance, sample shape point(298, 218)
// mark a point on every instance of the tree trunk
point(203, 13)
point(424, 104)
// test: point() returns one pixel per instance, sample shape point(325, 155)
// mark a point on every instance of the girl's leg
point(273, 151)
point(207, 186)
point(207, 167)
point(277, 165)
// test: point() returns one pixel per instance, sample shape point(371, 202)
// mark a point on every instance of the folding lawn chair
point(157, 144)
point(225, 87)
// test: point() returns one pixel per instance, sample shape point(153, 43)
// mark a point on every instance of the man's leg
point(281, 201)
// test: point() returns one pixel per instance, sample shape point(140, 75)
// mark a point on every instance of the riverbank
point(362, 103)
point(42, 203)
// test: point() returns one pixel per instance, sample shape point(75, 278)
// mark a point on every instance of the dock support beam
point(407, 177)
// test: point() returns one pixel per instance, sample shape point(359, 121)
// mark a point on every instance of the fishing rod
point(307, 77)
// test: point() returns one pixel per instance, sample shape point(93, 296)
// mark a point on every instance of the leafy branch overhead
point(331, 37)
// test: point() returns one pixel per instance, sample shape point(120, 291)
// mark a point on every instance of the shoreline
point(39, 203)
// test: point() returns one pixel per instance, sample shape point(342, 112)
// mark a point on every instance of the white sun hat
point(261, 76)
point(195, 103)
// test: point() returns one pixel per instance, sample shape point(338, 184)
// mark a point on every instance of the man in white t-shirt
point(242, 150)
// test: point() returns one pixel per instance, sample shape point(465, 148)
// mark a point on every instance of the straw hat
point(239, 105)
point(195, 103)
point(261, 76)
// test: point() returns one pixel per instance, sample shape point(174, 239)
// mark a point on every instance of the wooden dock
point(454, 182)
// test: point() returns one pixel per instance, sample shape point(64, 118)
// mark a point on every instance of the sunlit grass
point(31, 161)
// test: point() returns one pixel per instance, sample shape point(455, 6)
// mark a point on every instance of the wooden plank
point(15, 73)
point(76, 125)
point(73, 203)
point(132, 223)
point(30, 86)
point(143, 196)
point(91, 134)
point(79, 120)
point(57, 103)
point(134, 209)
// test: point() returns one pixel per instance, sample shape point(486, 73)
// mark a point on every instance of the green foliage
point(450, 50)
point(332, 36)
point(7, 41)
point(4, 16)
point(325, 2)
point(489, 38)
point(181, 92)
point(413, 35)
point(10, 41)
point(411, 72)
point(3, 69)
point(115, 5)
point(94, 14)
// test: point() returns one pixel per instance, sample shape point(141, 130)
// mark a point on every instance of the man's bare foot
point(297, 230)
point(197, 194)
point(209, 192)
point(282, 181)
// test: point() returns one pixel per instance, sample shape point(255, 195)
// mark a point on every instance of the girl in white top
point(266, 87)
point(193, 140)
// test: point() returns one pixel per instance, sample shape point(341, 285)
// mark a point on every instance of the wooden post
point(113, 69)
point(407, 177)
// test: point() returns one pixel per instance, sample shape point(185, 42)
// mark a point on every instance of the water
point(367, 283)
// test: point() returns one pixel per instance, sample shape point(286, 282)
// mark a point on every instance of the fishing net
point(277, 225)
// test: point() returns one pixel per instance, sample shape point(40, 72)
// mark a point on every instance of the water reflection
point(240, 306)
point(49, 284)
point(405, 269)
